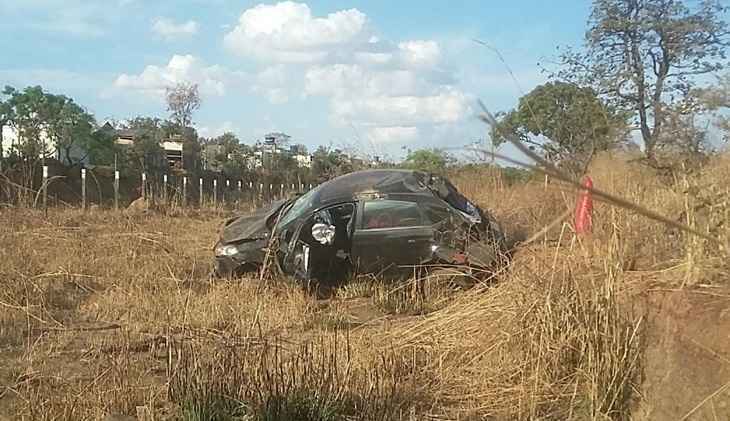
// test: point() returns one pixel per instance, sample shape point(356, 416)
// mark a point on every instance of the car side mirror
point(323, 233)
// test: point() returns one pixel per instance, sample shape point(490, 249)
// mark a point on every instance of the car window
point(299, 207)
point(391, 214)
point(435, 212)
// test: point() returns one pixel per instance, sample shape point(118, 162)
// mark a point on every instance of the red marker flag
point(584, 209)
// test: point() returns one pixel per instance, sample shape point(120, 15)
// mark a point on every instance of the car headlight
point(226, 250)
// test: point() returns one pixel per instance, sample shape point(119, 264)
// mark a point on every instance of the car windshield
point(299, 207)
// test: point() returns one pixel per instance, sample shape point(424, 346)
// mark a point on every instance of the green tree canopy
point(48, 123)
point(646, 56)
point(432, 160)
point(564, 121)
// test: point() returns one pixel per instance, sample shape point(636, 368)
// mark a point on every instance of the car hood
point(250, 227)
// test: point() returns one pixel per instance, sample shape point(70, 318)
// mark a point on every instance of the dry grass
point(106, 313)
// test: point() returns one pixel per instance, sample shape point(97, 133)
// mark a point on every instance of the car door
point(390, 234)
point(305, 257)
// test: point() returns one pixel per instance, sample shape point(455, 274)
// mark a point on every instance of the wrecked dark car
point(366, 222)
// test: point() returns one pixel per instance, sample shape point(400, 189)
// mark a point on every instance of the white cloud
point(287, 32)
point(210, 132)
point(397, 97)
point(420, 53)
point(396, 90)
point(171, 30)
point(447, 107)
point(212, 80)
point(383, 135)
point(272, 83)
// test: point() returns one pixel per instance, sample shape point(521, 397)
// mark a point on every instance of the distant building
point(172, 147)
point(303, 161)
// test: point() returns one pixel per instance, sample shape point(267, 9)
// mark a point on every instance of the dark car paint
point(251, 227)
point(373, 250)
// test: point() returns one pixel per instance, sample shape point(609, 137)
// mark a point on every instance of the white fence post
point(116, 190)
point(185, 191)
point(215, 192)
point(45, 187)
point(83, 188)
point(164, 187)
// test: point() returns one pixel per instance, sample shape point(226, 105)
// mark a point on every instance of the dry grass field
point(105, 315)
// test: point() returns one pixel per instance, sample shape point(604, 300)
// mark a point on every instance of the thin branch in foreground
point(551, 170)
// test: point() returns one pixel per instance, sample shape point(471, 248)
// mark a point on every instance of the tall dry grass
point(104, 312)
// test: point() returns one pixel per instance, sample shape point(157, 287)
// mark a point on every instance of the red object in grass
point(584, 209)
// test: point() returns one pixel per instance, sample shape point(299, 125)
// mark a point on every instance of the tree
point(717, 99)
point(646, 56)
point(29, 119)
point(566, 122)
point(6, 116)
point(146, 154)
point(183, 100)
point(103, 149)
point(70, 128)
point(431, 160)
point(48, 123)
point(328, 163)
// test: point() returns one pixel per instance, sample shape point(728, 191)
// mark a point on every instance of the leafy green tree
point(328, 163)
point(146, 154)
point(716, 99)
point(70, 128)
point(647, 55)
point(431, 160)
point(565, 122)
point(103, 149)
point(48, 123)
point(6, 116)
point(30, 114)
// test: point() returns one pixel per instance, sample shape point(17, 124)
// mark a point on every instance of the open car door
point(320, 248)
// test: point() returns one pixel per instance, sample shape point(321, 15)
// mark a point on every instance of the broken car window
point(391, 214)
point(300, 206)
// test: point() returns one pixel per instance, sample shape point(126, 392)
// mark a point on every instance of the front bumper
point(249, 257)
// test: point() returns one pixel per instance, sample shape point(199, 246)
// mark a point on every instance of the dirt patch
point(687, 358)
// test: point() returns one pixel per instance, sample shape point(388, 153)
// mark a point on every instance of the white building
point(303, 161)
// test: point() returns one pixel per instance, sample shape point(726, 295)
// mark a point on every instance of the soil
point(686, 367)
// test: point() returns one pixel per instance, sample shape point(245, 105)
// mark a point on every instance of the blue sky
point(374, 75)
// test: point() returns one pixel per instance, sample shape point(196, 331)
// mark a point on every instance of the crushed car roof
point(351, 186)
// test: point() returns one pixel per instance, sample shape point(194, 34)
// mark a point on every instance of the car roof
point(354, 185)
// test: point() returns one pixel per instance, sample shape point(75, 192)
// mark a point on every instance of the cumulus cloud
point(171, 30)
point(212, 80)
point(399, 134)
point(272, 83)
point(287, 32)
point(396, 90)
point(420, 53)
point(447, 107)
point(211, 132)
